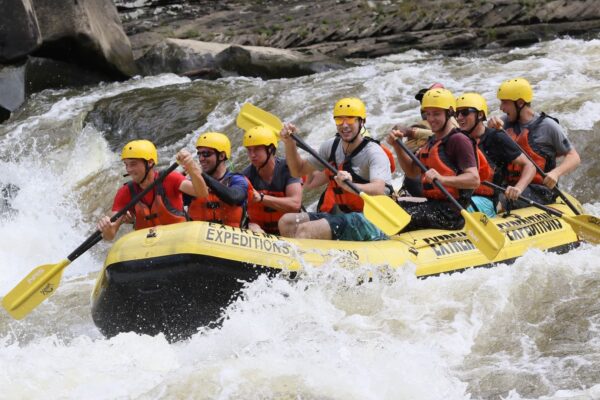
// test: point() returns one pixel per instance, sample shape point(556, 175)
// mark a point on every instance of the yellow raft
point(176, 278)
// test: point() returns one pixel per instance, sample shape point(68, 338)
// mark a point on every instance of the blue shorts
point(352, 226)
point(484, 205)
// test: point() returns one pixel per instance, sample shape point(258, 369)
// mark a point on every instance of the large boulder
point(19, 30)
point(209, 59)
point(87, 32)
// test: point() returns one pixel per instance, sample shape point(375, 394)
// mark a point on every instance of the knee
point(287, 225)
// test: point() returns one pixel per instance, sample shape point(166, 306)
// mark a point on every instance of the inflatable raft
point(177, 278)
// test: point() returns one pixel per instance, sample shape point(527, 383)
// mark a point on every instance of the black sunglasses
point(466, 111)
point(205, 154)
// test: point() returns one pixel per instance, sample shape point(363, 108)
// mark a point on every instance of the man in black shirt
point(497, 147)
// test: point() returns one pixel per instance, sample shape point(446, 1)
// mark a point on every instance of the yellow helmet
point(439, 98)
point(472, 100)
point(259, 135)
point(143, 149)
point(350, 107)
point(215, 140)
point(515, 89)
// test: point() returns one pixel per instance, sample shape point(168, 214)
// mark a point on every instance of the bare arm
point(290, 203)
point(411, 170)
point(298, 166)
point(197, 187)
point(527, 175)
point(568, 164)
point(469, 179)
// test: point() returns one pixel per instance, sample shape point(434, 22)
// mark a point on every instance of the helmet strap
point(270, 152)
point(147, 171)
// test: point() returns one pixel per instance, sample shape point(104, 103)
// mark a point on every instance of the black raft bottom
point(174, 294)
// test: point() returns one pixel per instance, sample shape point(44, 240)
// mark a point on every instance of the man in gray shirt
point(359, 160)
point(540, 137)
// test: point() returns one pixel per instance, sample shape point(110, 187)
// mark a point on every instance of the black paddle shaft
point(527, 200)
point(424, 169)
point(97, 236)
point(304, 146)
point(556, 189)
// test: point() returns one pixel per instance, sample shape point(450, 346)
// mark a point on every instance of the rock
point(87, 32)
point(19, 30)
point(35, 74)
point(193, 58)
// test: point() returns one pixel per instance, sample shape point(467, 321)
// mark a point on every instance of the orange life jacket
point(266, 217)
point(213, 209)
point(526, 140)
point(433, 155)
point(334, 194)
point(161, 212)
point(486, 173)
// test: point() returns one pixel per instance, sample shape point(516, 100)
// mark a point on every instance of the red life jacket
point(161, 212)
point(526, 140)
point(486, 173)
point(433, 155)
point(266, 217)
point(213, 209)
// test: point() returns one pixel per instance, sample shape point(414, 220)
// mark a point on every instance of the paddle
point(483, 234)
point(585, 226)
point(556, 189)
point(381, 210)
point(43, 281)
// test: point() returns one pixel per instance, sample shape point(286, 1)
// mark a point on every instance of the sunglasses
point(465, 111)
point(348, 120)
point(205, 154)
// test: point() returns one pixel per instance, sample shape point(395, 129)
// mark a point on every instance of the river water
point(530, 330)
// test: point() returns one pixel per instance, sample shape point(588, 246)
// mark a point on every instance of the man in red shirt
point(161, 206)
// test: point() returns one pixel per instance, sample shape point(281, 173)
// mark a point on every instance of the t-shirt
point(371, 162)
point(171, 184)
point(461, 152)
point(498, 147)
point(281, 177)
point(549, 135)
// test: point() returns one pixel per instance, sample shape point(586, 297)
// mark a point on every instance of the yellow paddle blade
point(36, 287)
point(585, 226)
point(385, 213)
point(251, 116)
point(483, 233)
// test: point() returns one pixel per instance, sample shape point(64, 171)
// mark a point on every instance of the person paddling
point(449, 157)
point(358, 160)
point(221, 194)
point(163, 205)
point(495, 151)
point(539, 136)
point(275, 190)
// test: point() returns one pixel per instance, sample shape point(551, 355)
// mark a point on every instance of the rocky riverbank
point(60, 43)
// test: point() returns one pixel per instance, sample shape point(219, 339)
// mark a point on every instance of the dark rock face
point(86, 32)
point(360, 28)
point(59, 43)
point(19, 30)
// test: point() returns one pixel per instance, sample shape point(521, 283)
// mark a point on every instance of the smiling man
point(163, 205)
point(449, 156)
point(221, 194)
point(357, 159)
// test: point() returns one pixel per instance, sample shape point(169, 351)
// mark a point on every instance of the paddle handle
point(424, 169)
point(540, 171)
point(97, 235)
point(304, 146)
point(527, 200)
